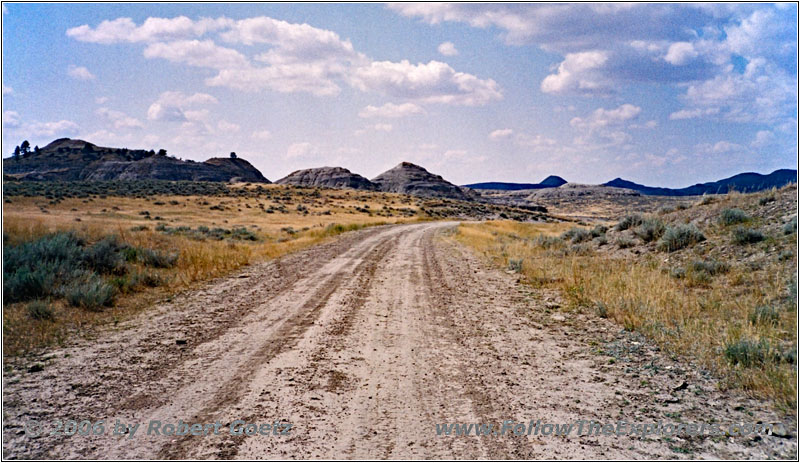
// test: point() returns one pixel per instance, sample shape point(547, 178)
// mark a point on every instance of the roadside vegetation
point(712, 282)
point(78, 254)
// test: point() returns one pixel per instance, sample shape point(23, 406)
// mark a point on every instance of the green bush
point(599, 230)
point(748, 353)
point(104, 256)
point(547, 242)
point(625, 242)
point(157, 259)
point(711, 267)
point(790, 227)
point(515, 265)
point(92, 294)
point(629, 221)
point(577, 235)
point(742, 235)
point(733, 216)
point(650, 229)
point(679, 236)
point(40, 310)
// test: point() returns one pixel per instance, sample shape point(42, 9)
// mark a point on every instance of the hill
point(412, 179)
point(328, 177)
point(67, 159)
point(552, 181)
point(747, 182)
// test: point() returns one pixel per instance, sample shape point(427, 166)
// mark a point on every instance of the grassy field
point(156, 246)
point(713, 282)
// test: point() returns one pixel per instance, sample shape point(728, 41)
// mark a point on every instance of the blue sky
point(661, 94)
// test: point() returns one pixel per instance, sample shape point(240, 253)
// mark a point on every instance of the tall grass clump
point(743, 235)
point(577, 235)
point(680, 236)
point(650, 229)
point(733, 216)
point(93, 293)
point(629, 221)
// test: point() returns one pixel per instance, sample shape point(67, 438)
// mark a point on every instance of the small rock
point(180, 342)
point(681, 386)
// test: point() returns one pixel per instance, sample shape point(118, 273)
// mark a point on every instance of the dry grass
point(704, 320)
point(330, 214)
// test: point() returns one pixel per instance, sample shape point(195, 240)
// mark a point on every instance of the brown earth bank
point(364, 345)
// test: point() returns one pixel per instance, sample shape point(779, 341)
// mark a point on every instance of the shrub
point(104, 256)
point(629, 221)
point(790, 227)
point(666, 209)
point(577, 235)
point(679, 236)
point(742, 235)
point(764, 315)
point(733, 216)
point(766, 199)
point(748, 353)
point(157, 259)
point(515, 265)
point(599, 230)
point(40, 310)
point(706, 200)
point(624, 242)
point(547, 242)
point(711, 267)
point(650, 229)
point(92, 294)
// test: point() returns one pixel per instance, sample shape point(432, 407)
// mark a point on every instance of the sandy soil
point(364, 345)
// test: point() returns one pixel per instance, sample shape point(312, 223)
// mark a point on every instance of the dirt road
point(364, 345)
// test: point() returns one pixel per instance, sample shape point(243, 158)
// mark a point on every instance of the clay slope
point(328, 177)
point(412, 179)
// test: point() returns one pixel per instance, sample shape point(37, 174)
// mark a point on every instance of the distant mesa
point(412, 179)
point(578, 190)
point(552, 181)
point(328, 177)
point(747, 182)
point(68, 159)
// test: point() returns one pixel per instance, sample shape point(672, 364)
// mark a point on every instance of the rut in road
point(364, 345)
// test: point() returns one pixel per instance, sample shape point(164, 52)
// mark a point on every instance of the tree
point(162, 152)
point(16, 153)
point(25, 147)
point(36, 150)
point(233, 155)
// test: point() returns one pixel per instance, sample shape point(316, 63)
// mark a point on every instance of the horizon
point(666, 95)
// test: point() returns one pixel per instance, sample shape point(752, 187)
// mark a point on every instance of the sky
point(660, 94)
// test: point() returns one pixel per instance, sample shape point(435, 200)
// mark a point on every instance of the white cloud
point(763, 138)
point(101, 100)
point(447, 49)
point(262, 135)
point(680, 53)
point(119, 119)
point(7, 90)
point(605, 117)
point(500, 133)
point(79, 72)
point(535, 141)
point(300, 150)
point(228, 127)
point(50, 129)
point(434, 82)
point(383, 127)
point(173, 106)
point(197, 53)
point(153, 29)
point(720, 147)
point(578, 73)
point(308, 78)
point(391, 110)
point(10, 119)
point(651, 124)
point(692, 113)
